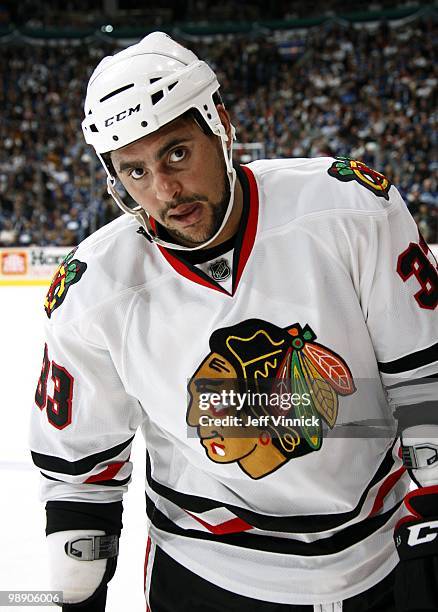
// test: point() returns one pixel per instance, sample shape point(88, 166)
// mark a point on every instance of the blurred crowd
point(336, 89)
point(77, 13)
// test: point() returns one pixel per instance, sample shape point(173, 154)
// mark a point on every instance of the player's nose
point(166, 186)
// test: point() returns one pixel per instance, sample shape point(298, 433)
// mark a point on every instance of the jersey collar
point(243, 241)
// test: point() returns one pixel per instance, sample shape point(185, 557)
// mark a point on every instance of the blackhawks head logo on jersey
point(346, 169)
point(276, 386)
point(70, 271)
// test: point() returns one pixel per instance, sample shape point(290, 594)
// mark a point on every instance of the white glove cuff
point(422, 439)
point(78, 580)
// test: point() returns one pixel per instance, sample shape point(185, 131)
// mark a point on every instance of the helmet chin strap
point(143, 216)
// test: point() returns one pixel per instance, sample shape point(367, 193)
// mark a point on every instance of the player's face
point(178, 176)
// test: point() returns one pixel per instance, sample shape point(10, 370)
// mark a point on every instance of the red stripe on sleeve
point(385, 488)
point(108, 473)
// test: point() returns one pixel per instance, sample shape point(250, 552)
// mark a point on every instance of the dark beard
point(218, 208)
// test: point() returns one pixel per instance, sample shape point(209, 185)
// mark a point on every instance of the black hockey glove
point(416, 539)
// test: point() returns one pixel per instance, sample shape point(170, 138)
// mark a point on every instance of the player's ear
point(226, 122)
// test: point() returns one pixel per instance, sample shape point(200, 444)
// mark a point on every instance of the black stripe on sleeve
point(410, 362)
point(82, 466)
point(425, 380)
point(104, 483)
point(324, 546)
point(410, 415)
point(312, 523)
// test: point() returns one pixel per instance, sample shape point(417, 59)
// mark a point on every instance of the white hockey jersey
point(326, 280)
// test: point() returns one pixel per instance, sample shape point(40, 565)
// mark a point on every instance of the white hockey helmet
point(138, 90)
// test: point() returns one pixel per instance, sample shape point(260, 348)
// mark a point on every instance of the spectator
point(332, 90)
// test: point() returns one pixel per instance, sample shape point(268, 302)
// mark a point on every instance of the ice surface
point(23, 558)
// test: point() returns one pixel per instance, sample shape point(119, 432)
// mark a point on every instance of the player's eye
point(136, 173)
point(177, 155)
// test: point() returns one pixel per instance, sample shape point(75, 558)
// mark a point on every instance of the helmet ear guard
point(142, 88)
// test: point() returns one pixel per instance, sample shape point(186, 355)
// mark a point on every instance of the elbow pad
point(81, 563)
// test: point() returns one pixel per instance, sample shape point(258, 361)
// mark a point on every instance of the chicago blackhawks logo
point(345, 169)
point(68, 273)
point(257, 365)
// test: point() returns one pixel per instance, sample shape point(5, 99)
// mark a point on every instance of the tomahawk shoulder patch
point(345, 169)
point(69, 272)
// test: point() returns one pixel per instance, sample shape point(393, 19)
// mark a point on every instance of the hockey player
point(301, 276)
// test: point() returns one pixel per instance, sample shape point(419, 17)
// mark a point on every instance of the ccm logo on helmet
point(415, 536)
point(122, 115)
